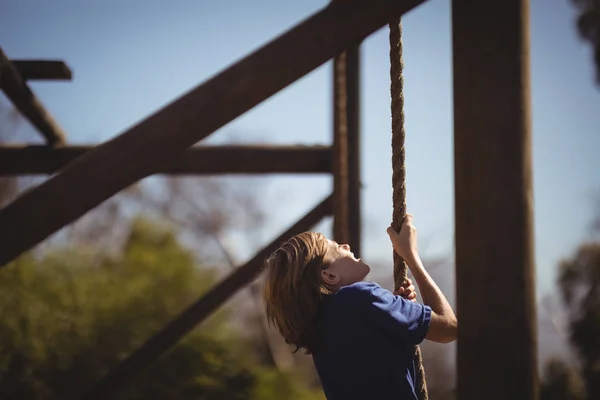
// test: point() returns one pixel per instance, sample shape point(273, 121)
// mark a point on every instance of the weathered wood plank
point(354, 176)
point(199, 311)
point(42, 70)
point(497, 352)
point(346, 148)
point(198, 160)
point(162, 137)
point(29, 106)
point(341, 214)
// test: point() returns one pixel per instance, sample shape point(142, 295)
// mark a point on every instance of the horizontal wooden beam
point(163, 137)
point(26, 102)
point(199, 311)
point(198, 160)
point(42, 70)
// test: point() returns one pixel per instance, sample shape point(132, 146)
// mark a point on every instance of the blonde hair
point(293, 288)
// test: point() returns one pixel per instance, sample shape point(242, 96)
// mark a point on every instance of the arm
point(443, 326)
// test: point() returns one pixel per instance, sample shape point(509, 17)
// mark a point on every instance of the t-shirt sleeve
point(394, 315)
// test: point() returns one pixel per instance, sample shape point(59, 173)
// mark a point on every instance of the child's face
point(344, 269)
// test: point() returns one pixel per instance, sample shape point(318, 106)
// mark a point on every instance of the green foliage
point(67, 319)
point(579, 284)
point(561, 382)
point(588, 27)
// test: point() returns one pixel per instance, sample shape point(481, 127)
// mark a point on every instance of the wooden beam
point(346, 148)
point(353, 115)
point(341, 227)
point(29, 106)
point(198, 160)
point(123, 373)
point(164, 136)
point(497, 351)
point(42, 70)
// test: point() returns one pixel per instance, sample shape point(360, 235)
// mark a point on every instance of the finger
point(409, 286)
point(408, 218)
point(391, 231)
point(412, 296)
point(407, 283)
point(399, 291)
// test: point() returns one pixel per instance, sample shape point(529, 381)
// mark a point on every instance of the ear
point(329, 277)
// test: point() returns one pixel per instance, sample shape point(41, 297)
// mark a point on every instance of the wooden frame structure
point(493, 193)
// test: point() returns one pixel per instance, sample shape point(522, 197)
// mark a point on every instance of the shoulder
point(363, 291)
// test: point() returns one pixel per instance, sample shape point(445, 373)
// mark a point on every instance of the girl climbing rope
point(363, 338)
point(360, 335)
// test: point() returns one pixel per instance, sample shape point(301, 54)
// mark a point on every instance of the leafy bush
point(68, 318)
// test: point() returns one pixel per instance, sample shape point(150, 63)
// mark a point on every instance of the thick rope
point(399, 174)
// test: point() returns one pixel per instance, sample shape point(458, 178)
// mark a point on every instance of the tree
point(588, 26)
point(579, 285)
point(579, 282)
point(68, 318)
point(561, 382)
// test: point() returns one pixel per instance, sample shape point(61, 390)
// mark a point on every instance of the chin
point(366, 266)
point(368, 271)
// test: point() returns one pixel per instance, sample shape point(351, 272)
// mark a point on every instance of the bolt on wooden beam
point(26, 102)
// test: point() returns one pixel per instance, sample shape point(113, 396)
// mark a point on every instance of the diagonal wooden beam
point(198, 160)
point(162, 137)
point(199, 311)
point(29, 106)
point(42, 70)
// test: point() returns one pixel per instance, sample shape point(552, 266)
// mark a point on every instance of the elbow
point(444, 329)
point(448, 331)
point(451, 330)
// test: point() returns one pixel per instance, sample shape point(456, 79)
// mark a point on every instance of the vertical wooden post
point(497, 356)
point(341, 227)
point(353, 115)
point(346, 148)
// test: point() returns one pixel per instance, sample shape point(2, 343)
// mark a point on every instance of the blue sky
point(130, 58)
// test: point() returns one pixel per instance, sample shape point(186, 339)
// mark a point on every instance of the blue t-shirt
point(366, 338)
